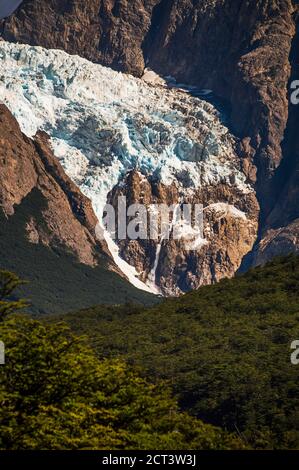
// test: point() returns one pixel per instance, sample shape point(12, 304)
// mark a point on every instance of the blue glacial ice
point(103, 123)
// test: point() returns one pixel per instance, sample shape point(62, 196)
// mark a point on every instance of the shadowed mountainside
point(48, 226)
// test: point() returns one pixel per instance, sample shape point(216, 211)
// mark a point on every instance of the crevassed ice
point(103, 124)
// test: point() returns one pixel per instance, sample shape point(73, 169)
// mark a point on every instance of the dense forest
point(209, 370)
point(224, 350)
point(56, 394)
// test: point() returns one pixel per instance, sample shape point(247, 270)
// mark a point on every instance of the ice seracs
point(107, 115)
point(103, 124)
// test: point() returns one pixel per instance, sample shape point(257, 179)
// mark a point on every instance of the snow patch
point(128, 270)
point(225, 210)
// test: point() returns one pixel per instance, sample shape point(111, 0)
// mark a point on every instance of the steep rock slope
point(26, 165)
point(240, 49)
point(280, 233)
point(48, 227)
point(195, 258)
point(107, 31)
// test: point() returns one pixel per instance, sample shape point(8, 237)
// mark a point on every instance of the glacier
point(103, 123)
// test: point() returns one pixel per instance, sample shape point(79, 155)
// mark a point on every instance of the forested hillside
point(224, 349)
point(56, 394)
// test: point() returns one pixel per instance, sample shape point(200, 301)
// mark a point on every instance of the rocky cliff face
point(48, 229)
point(107, 31)
point(245, 50)
point(187, 257)
point(27, 165)
point(240, 49)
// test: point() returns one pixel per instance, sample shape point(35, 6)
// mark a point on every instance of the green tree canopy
point(55, 394)
point(224, 348)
